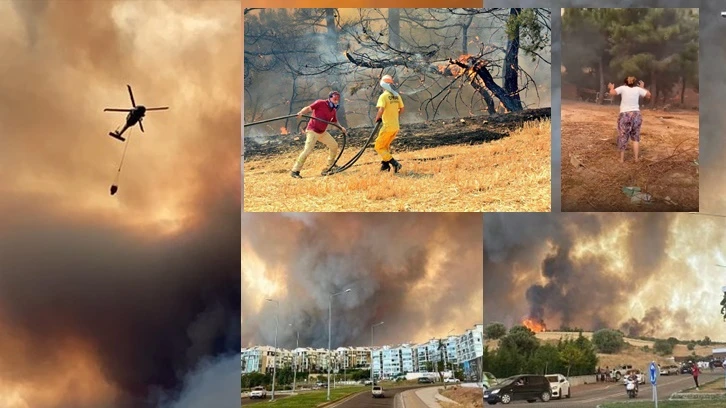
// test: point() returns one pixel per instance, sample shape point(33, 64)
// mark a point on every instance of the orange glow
point(359, 3)
point(283, 130)
point(535, 325)
point(81, 382)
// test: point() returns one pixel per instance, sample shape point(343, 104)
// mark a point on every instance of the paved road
point(591, 395)
point(392, 400)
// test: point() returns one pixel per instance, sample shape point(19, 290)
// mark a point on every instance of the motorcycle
point(631, 388)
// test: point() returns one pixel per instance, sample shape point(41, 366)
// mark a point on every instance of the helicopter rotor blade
point(157, 109)
point(131, 94)
point(141, 125)
point(117, 110)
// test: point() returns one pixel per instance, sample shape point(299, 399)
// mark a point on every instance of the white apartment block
point(464, 351)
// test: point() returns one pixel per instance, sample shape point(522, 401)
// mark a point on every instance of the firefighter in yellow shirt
point(389, 105)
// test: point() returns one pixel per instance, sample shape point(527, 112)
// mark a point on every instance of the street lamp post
point(330, 319)
point(447, 351)
point(294, 360)
point(373, 382)
point(274, 361)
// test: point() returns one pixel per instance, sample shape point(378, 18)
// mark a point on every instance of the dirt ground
point(495, 163)
point(465, 396)
point(593, 177)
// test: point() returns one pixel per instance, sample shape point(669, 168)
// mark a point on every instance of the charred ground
point(469, 130)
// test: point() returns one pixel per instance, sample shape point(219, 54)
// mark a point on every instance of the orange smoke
point(74, 378)
point(535, 325)
point(283, 130)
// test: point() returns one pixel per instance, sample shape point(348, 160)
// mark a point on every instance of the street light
point(274, 361)
point(330, 319)
point(373, 382)
point(447, 352)
point(294, 360)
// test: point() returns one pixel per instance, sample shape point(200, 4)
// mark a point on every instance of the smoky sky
point(106, 280)
point(419, 273)
point(645, 274)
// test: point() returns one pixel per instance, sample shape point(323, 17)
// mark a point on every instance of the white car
point(258, 392)
point(560, 386)
point(451, 380)
point(378, 392)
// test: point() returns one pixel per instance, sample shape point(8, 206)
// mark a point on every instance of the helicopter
point(136, 115)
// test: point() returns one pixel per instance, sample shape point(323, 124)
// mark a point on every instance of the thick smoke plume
point(419, 273)
point(117, 302)
point(647, 274)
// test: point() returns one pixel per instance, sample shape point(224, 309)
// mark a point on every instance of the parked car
point(451, 380)
point(526, 387)
point(669, 370)
point(686, 369)
point(258, 392)
point(717, 363)
point(619, 372)
point(425, 380)
point(378, 392)
point(560, 385)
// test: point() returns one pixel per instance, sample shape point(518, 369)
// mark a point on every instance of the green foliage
point(663, 347)
point(521, 352)
point(495, 331)
point(659, 46)
point(608, 341)
point(691, 346)
point(533, 34)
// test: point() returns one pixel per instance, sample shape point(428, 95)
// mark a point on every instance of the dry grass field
point(593, 177)
point(466, 397)
point(459, 166)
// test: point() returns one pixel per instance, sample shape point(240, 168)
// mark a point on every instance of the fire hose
point(350, 162)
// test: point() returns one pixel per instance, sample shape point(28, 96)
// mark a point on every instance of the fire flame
point(283, 130)
point(536, 325)
point(454, 69)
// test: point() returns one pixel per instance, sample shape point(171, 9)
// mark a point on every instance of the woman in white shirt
point(630, 119)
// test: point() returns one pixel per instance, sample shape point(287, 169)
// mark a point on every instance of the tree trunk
point(511, 64)
point(333, 37)
point(482, 90)
point(465, 35)
point(394, 27)
point(602, 81)
point(683, 90)
point(654, 88)
point(509, 102)
point(293, 97)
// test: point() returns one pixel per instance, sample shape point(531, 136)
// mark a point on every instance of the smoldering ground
point(419, 273)
point(132, 300)
point(647, 274)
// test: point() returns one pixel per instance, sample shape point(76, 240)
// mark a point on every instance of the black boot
point(396, 165)
point(295, 174)
point(385, 166)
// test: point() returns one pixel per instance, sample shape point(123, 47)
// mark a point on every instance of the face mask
point(332, 105)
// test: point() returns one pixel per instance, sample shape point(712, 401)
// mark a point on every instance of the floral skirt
point(629, 124)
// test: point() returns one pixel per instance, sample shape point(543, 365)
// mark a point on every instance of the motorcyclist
point(633, 377)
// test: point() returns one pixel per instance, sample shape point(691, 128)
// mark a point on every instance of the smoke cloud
point(419, 273)
point(115, 302)
point(647, 274)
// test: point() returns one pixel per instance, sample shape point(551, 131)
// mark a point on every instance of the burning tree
point(440, 57)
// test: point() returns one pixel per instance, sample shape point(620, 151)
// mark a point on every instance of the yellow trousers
point(311, 139)
point(384, 140)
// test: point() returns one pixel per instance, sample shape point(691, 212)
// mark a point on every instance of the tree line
point(658, 46)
